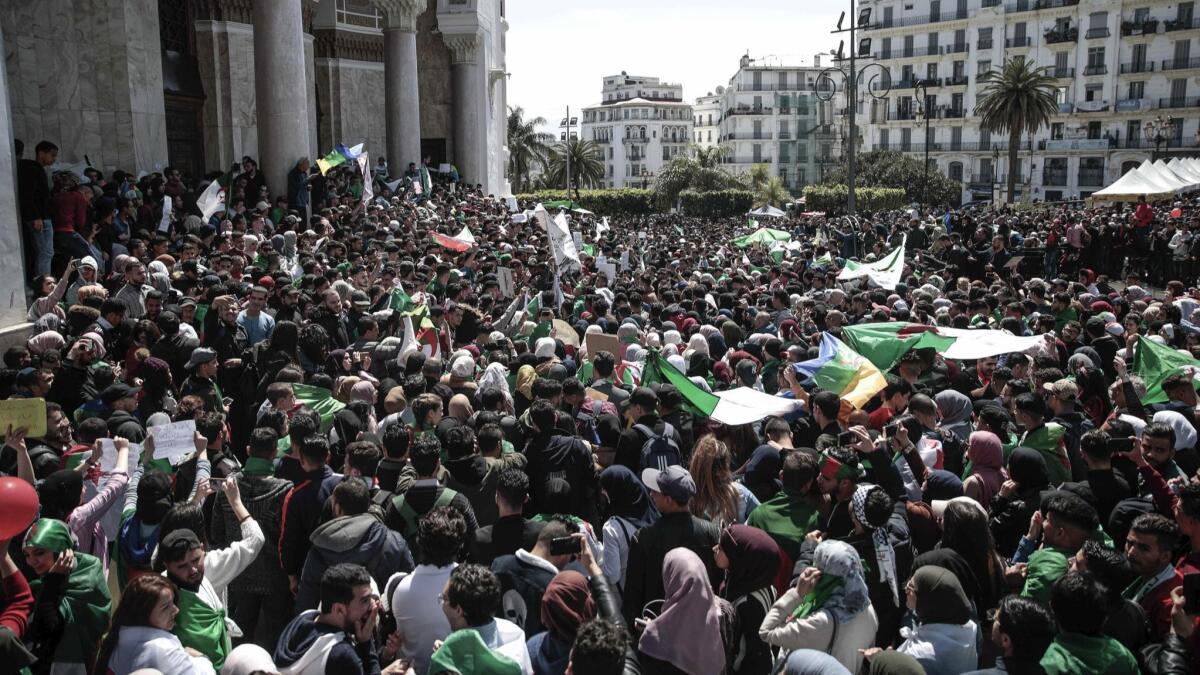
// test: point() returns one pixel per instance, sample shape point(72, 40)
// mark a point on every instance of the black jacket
point(629, 448)
point(346, 656)
point(33, 190)
point(504, 537)
point(566, 457)
point(649, 547)
point(301, 514)
point(523, 582)
point(360, 539)
point(175, 350)
point(125, 425)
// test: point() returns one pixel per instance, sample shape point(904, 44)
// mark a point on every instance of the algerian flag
point(885, 272)
point(463, 241)
point(589, 249)
point(1154, 363)
point(695, 400)
point(426, 183)
point(736, 406)
point(211, 200)
point(602, 227)
point(535, 305)
point(777, 252)
point(559, 232)
point(394, 184)
point(401, 301)
point(364, 165)
point(320, 400)
point(843, 371)
point(884, 343)
point(678, 229)
point(763, 235)
point(824, 261)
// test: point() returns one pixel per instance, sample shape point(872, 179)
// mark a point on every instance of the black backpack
point(659, 451)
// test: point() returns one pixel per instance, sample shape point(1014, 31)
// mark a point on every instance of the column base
point(15, 335)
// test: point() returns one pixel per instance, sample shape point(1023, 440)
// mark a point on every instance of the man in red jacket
point(1149, 546)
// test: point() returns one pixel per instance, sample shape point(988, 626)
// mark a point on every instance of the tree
point(760, 175)
point(772, 193)
point(1018, 99)
point(587, 169)
point(888, 169)
point(697, 170)
point(528, 148)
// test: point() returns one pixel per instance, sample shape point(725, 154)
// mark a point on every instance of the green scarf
point(1077, 653)
point(85, 608)
point(1045, 439)
point(257, 466)
point(465, 653)
point(50, 534)
point(815, 600)
point(202, 628)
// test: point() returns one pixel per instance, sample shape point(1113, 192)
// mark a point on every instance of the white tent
point(767, 211)
point(1186, 184)
point(1185, 168)
point(1140, 181)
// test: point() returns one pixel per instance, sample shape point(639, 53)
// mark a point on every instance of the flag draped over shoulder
point(320, 400)
point(1154, 363)
point(885, 272)
point(840, 369)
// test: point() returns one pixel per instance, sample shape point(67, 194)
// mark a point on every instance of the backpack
point(410, 515)
point(659, 451)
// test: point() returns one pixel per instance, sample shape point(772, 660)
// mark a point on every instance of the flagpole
point(567, 151)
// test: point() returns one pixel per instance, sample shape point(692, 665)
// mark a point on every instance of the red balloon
point(18, 506)
point(1176, 212)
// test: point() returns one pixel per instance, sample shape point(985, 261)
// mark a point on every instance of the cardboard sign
point(24, 412)
point(108, 461)
point(174, 441)
point(601, 342)
point(1014, 262)
point(504, 277)
point(595, 395)
point(444, 167)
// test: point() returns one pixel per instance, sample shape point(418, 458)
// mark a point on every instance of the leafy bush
point(716, 203)
point(615, 202)
point(832, 198)
point(890, 169)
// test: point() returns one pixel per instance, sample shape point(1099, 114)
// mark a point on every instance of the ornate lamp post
point(921, 93)
point(1160, 130)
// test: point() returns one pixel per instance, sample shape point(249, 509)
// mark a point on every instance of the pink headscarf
point(45, 341)
point(687, 632)
point(986, 453)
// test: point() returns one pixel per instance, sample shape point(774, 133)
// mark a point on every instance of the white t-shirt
point(418, 612)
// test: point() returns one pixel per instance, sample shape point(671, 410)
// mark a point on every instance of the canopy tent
point(1185, 168)
point(1185, 184)
point(768, 211)
point(1136, 183)
point(763, 235)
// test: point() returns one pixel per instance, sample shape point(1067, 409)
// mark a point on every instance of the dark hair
point(556, 527)
point(1189, 500)
point(896, 385)
point(304, 423)
point(995, 417)
point(210, 425)
point(776, 426)
point(1094, 444)
point(1071, 509)
point(315, 449)
point(512, 486)
point(263, 443)
point(440, 535)
point(799, 468)
point(965, 531)
point(459, 442)
point(603, 363)
point(138, 601)
point(184, 516)
point(425, 454)
point(543, 415)
point(364, 456)
point(599, 649)
point(338, 584)
point(395, 440)
point(923, 404)
point(878, 508)
point(1165, 530)
point(91, 429)
point(1109, 566)
point(424, 404)
point(1160, 430)
point(476, 591)
point(1079, 603)
point(1030, 404)
point(489, 437)
point(1029, 625)
point(352, 496)
point(828, 403)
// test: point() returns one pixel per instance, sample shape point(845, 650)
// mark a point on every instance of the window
point(1060, 61)
point(1137, 90)
point(1019, 33)
point(1093, 130)
point(959, 69)
point(956, 139)
point(933, 42)
point(1178, 90)
point(931, 72)
point(1093, 92)
point(783, 80)
point(1133, 131)
point(984, 66)
point(883, 137)
point(666, 152)
point(906, 139)
point(756, 152)
point(1095, 57)
point(1097, 20)
point(1056, 131)
point(783, 175)
point(1141, 15)
point(956, 172)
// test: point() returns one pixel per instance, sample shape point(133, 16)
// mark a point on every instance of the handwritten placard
point(504, 277)
point(598, 342)
point(24, 412)
point(108, 460)
point(174, 441)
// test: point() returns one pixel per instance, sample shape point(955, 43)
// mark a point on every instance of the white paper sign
point(577, 237)
point(504, 277)
point(512, 204)
point(444, 167)
point(174, 441)
point(607, 269)
point(108, 461)
point(165, 223)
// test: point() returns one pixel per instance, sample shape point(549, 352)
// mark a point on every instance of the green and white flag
point(1154, 363)
point(885, 272)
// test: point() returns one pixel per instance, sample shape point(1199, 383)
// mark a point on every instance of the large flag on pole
point(212, 200)
point(561, 243)
point(364, 165)
point(843, 371)
point(463, 241)
point(885, 272)
point(1154, 363)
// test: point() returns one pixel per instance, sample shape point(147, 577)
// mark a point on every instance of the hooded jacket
point(125, 425)
point(263, 498)
point(332, 650)
point(475, 477)
point(361, 539)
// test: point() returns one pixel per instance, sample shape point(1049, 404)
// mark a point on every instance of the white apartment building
point(641, 124)
point(770, 114)
point(1117, 66)
point(707, 110)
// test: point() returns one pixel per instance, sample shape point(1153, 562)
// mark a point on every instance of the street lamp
point(565, 136)
point(645, 178)
point(995, 166)
point(921, 93)
point(1160, 130)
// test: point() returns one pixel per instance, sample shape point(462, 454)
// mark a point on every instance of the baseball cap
point(1063, 389)
point(200, 355)
point(674, 482)
point(118, 391)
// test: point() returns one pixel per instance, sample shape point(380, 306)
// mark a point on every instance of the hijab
point(59, 493)
point(986, 453)
point(942, 485)
point(753, 560)
point(1185, 433)
point(525, 377)
point(761, 473)
point(627, 496)
point(955, 409)
point(566, 605)
point(940, 597)
point(1027, 467)
point(841, 590)
point(687, 633)
point(45, 341)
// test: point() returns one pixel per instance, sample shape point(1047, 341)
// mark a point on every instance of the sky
point(559, 51)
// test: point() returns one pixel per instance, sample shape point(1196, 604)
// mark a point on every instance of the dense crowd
point(404, 457)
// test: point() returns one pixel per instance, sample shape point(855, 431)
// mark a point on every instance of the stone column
point(402, 101)
point(279, 89)
point(13, 327)
point(470, 94)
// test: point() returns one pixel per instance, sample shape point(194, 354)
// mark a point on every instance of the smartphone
point(890, 430)
point(565, 545)
point(1118, 446)
point(1191, 593)
point(217, 484)
point(846, 438)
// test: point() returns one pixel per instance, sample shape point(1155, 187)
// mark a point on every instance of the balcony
point(945, 15)
point(1061, 73)
point(1097, 33)
point(1056, 177)
point(1069, 144)
point(1134, 104)
point(983, 178)
point(990, 3)
point(902, 115)
point(1018, 42)
point(959, 48)
point(1055, 36)
point(785, 135)
point(948, 113)
point(1035, 5)
point(602, 141)
point(632, 140)
point(1179, 102)
point(748, 136)
point(1096, 69)
point(749, 110)
point(745, 160)
point(1091, 177)
point(1187, 23)
point(983, 44)
point(1137, 67)
point(1181, 64)
point(988, 146)
point(1096, 106)
point(955, 81)
point(906, 53)
point(1134, 28)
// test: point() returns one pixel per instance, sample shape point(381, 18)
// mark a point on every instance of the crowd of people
point(406, 459)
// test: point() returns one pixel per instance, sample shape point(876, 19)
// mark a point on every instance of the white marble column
point(470, 97)
point(13, 327)
point(279, 89)
point(402, 100)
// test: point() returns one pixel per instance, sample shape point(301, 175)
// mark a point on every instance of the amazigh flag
point(1154, 363)
point(212, 200)
point(338, 156)
point(885, 272)
point(320, 400)
point(463, 241)
point(843, 371)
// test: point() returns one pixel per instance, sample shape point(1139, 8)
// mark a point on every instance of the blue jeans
point(43, 245)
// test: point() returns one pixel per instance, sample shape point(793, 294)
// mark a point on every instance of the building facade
point(197, 84)
point(640, 124)
point(771, 115)
point(1116, 66)
point(707, 110)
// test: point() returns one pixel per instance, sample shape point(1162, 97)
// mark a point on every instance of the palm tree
point(772, 193)
point(1018, 99)
point(698, 170)
point(708, 158)
point(586, 165)
point(760, 175)
point(528, 148)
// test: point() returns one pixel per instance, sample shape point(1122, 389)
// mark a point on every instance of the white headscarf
point(1185, 434)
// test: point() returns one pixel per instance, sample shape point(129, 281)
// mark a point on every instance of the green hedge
point(716, 203)
point(616, 202)
point(832, 198)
